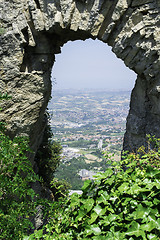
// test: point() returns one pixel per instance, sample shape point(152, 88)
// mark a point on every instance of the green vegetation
point(18, 201)
point(60, 188)
point(81, 143)
point(68, 171)
point(48, 155)
point(16, 195)
point(122, 203)
point(119, 205)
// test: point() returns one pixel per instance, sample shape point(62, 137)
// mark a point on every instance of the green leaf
point(149, 226)
point(75, 200)
point(134, 230)
point(104, 197)
point(38, 234)
point(158, 223)
point(99, 237)
point(86, 185)
point(89, 204)
point(26, 238)
point(134, 189)
point(93, 218)
point(95, 229)
point(148, 203)
point(110, 236)
point(110, 180)
point(98, 209)
point(105, 221)
point(141, 212)
point(81, 214)
point(31, 237)
point(112, 217)
point(151, 236)
point(124, 187)
point(152, 171)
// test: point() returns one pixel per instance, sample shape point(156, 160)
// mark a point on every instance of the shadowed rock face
point(32, 31)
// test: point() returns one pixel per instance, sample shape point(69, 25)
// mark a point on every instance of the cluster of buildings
point(77, 119)
point(98, 118)
point(69, 153)
point(86, 174)
point(96, 140)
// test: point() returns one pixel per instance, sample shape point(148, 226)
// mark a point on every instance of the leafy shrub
point(17, 199)
point(120, 204)
point(16, 195)
point(60, 188)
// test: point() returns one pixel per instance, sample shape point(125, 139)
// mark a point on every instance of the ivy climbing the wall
point(48, 155)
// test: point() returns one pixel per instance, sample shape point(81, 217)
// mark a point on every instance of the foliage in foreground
point(120, 204)
point(16, 195)
point(17, 199)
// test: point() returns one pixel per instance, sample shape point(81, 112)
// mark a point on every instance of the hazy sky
point(91, 64)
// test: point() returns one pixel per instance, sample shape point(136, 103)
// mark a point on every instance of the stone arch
point(33, 31)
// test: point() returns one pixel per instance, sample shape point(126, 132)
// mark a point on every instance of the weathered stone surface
point(33, 31)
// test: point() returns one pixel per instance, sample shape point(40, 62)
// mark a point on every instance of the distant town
point(88, 123)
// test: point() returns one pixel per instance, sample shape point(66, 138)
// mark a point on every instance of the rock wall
point(32, 31)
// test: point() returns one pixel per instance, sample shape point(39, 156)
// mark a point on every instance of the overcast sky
point(91, 64)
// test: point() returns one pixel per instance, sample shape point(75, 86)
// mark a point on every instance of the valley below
point(90, 125)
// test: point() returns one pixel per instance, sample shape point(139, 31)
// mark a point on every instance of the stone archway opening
point(73, 68)
point(90, 64)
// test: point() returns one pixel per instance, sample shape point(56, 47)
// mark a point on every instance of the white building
point(100, 144)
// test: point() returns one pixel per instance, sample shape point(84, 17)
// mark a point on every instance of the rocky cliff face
point(32, 31)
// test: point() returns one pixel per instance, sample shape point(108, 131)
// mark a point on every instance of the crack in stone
point(37, 4)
